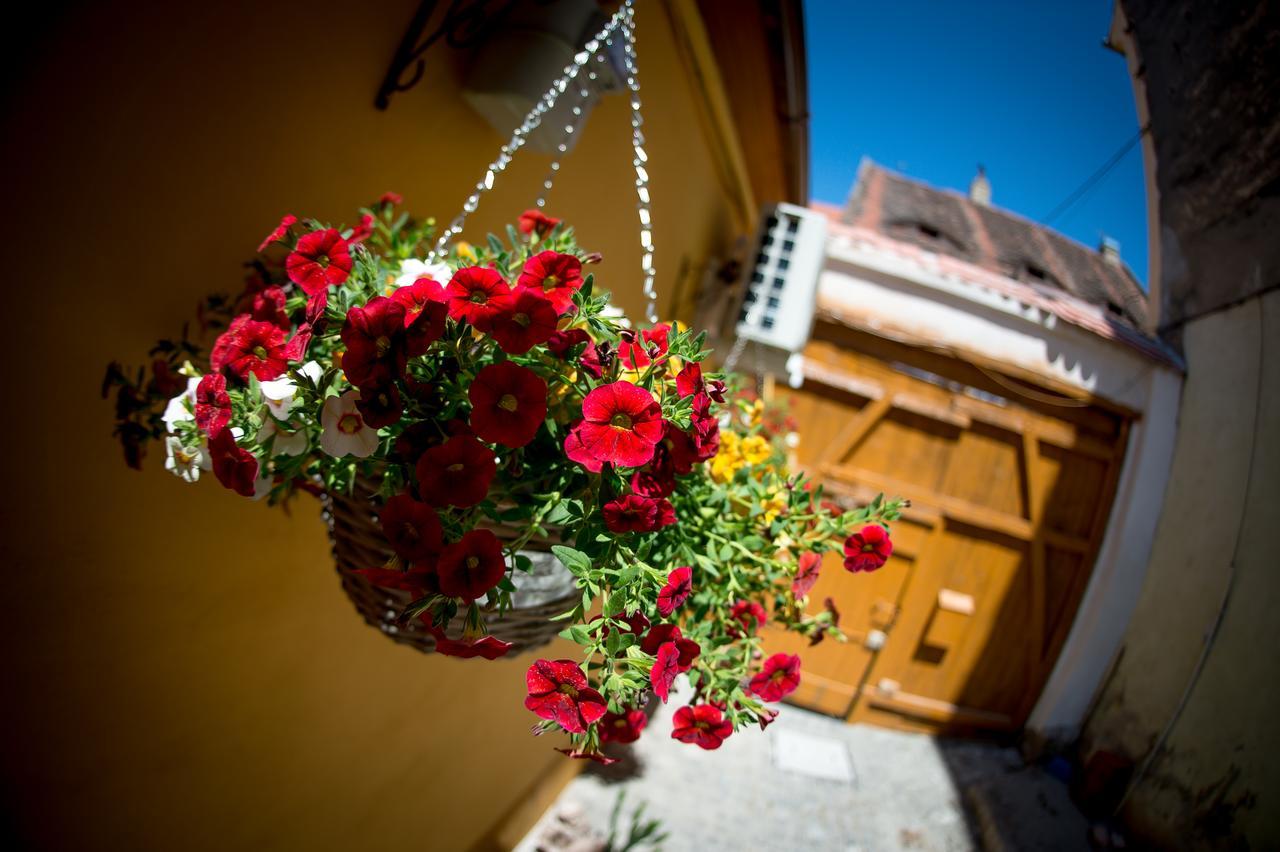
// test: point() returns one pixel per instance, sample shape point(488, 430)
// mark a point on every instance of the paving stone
point(896, 791)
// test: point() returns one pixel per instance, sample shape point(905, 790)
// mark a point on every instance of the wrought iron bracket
point(464, 24)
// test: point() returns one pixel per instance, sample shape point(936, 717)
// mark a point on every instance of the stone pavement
point(815, 783)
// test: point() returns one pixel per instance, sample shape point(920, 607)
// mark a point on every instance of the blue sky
point(931, 89)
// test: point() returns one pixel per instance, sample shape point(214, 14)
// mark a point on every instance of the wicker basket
point(358, 543)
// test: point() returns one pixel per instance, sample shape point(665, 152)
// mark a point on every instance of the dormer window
point(927, 235)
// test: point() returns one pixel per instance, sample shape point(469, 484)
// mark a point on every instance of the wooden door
point(1010, 493)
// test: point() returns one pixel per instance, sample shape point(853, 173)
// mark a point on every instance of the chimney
point(980, 188)
point(1109, 248)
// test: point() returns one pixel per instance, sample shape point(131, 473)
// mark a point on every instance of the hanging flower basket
point(502, 464)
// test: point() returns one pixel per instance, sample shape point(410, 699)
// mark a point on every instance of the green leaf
point(576, 561)
point(576, 634)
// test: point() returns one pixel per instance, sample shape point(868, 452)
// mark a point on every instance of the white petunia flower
point(262, 485)
point(345, 432)
point(279, 393)
point(413, 269)
point(288, 443)
point(182, 462)
point(182, 406)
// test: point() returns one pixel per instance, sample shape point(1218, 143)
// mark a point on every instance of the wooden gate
point(1010, 494)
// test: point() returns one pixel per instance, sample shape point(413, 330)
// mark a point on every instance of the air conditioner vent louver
point(781, 291)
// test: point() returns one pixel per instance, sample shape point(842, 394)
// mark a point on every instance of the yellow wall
point(181, 668)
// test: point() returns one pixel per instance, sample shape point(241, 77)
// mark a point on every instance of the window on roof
point(1029, 271)
point(927, 235)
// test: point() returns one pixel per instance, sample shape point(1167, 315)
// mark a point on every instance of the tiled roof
point(949, 223)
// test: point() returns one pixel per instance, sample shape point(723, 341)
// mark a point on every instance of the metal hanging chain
point(623, 22)
point(574, 125)
point(640, 158)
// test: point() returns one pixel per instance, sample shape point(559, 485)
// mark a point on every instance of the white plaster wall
point(897, 298)
point(1120, 570)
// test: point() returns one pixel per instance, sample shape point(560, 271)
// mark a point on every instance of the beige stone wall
point(1212, 589)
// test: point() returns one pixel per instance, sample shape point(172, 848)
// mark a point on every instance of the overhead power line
point(1093, 179)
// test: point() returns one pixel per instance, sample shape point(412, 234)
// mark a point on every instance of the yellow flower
point(728, 460)
point(774, 506)
point(466, 252)
point(757, 411)
point(756, 450)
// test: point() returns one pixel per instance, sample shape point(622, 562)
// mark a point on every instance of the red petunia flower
point(416, 581)
point(637, 623)
point(778, 678)
point(578, 754)
point(477, 294)
point(666, 665)
point(680, 449)
point(412, 529)
point(689, 382)
point(576, 451)
point(656, 479)
point(530, 320)
point(380, 405)
point(830, 606)
point(295, 351)
point(636, 354)
point(867, 549)
point(634, 513)
point(456, 473)
point(471, 566)
point(592, 361)
point(558, 690)
point(390, 198)
point(621, 424)
point(669, 634)
point(489, 647)
point(316, 305)
point(622, 727)
point(806, 573)
point(213, 405)
point(560, 343)
point(321, 258)
point(286, 223)
point(375, 341)
point(362, 231)
point(766, 718)
point(703, 725)
point(268, 306)
point(673, 595)
point(535, 221)
point(749, 615)
point(249, 346)
point(236, 468)
point(554, 276)
point(508, 404)
point(705, 428)
point(425, 307)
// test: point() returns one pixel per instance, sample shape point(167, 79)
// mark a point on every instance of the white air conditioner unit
point(780, 296)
